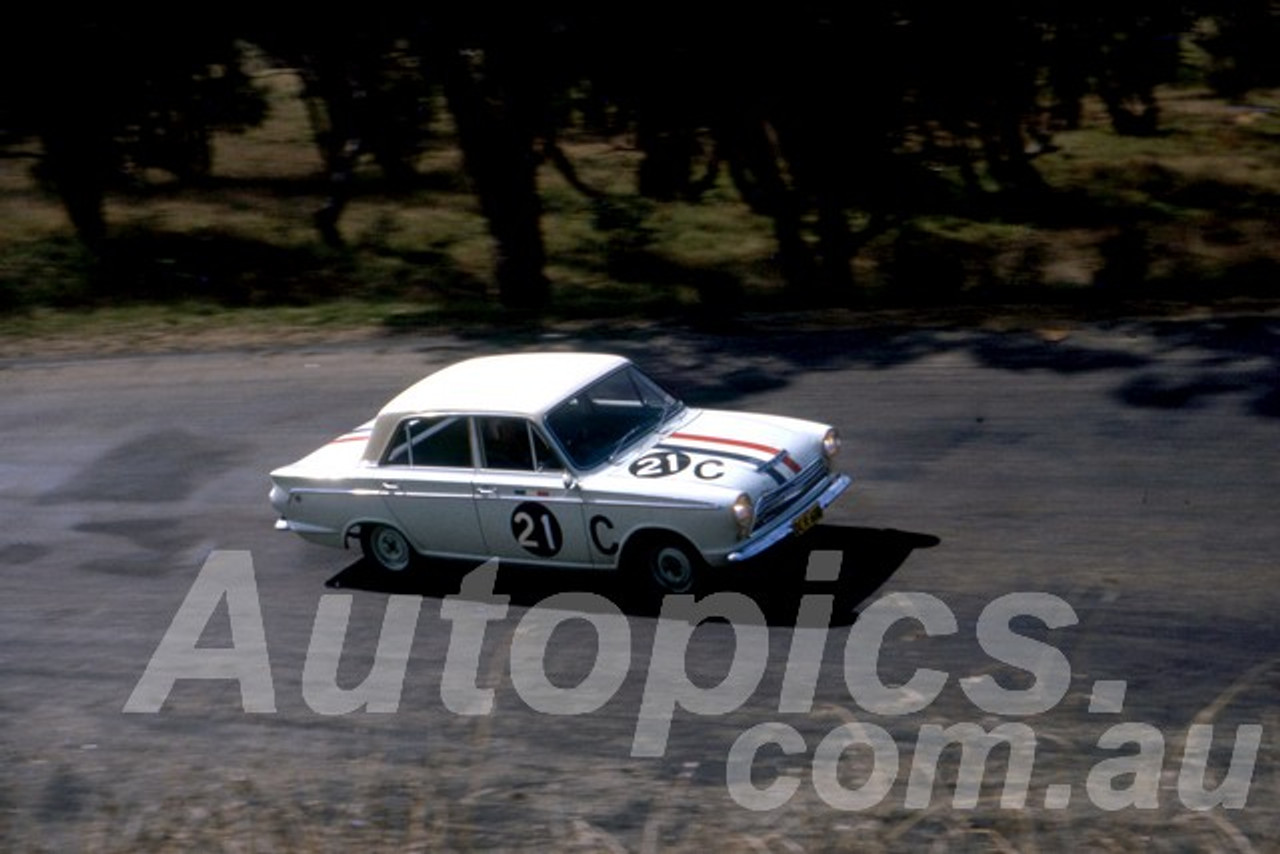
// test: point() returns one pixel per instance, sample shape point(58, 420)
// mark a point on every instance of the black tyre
point(386, 548)
point(668, 564)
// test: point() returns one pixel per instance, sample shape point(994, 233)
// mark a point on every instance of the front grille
point(782, 499)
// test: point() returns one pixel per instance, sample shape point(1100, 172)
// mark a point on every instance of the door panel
point(436, 509)
point(531, 517)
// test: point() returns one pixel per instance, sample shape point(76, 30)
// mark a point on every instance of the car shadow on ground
point(848, 564)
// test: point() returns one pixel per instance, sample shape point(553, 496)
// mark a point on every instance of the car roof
point(516, 383)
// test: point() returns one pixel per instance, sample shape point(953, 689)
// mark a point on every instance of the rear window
point(433, 442)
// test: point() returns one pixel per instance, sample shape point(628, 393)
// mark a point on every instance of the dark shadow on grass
point(716, 355)
point(365, 184)
point(775, 582)
point(219, 268)
point(226, 269)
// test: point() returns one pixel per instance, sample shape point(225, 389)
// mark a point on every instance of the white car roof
point(518, 383)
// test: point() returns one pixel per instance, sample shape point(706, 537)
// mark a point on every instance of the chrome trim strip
point(660, 505)
point(318, 490)
point(302, 527)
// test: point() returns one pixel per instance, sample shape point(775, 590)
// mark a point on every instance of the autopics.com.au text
point(1127, 778)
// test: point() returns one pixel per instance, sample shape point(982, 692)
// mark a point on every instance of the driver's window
point(512, 444)
point(505, 443)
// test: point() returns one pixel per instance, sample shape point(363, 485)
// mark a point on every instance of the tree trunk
point(77, 164)
point(498, 138)
point(73, 122)
point(754, 164)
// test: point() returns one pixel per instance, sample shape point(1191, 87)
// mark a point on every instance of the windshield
point(604, 419)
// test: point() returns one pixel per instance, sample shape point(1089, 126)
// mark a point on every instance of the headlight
point(831, 444)
point(744, 514)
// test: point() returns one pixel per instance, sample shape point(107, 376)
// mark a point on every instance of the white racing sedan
point(561, 459)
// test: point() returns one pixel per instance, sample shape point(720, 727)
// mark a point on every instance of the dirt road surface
point(1122, 475)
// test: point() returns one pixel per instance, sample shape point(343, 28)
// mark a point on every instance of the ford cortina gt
point(561, 459)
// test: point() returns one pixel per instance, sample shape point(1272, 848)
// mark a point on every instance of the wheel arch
point(663, 561)
point(639, 537)
point(355, 528)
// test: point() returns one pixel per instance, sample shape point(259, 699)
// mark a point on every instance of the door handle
point(486, 491)
point(390, 487)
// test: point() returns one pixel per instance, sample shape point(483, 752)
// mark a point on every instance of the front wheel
point(669, 564)
point(386, 548)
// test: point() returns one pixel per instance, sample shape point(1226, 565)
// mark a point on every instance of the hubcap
point(673, 569)
point(390, 549)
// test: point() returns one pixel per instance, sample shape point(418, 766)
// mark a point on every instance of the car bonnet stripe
point(740, 443)
point(777, 476)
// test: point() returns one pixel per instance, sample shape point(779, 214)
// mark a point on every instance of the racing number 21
point(536, 529)
point(660, 465)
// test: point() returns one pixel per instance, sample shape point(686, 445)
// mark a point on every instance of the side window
point(439, 442)
point(512, 444)
point(506, 443)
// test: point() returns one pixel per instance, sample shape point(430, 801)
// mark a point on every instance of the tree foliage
point(814, 110)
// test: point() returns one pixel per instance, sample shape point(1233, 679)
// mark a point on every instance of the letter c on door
point(595, 524)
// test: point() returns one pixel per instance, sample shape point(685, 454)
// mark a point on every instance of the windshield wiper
point(642, 427)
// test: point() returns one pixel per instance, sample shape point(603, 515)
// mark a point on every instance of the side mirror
point(570, 482)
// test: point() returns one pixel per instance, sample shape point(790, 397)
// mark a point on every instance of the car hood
point(744, 452)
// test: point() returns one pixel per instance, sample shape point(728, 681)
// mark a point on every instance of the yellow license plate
point(807, 519)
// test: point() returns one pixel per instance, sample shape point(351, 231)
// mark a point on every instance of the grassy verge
point(1189, 215)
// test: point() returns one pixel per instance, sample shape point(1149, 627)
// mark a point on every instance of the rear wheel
point(386, 548)
point(668, 564)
